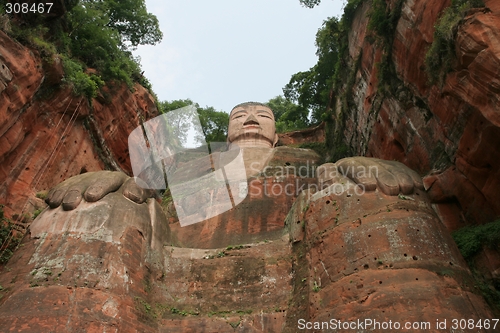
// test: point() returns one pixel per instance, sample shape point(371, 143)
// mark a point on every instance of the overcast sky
point(223, 52)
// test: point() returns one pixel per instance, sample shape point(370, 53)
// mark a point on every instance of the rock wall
point(48, 135)
point(310, 135)
point(450, 133)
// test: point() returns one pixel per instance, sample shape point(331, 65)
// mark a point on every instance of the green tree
point(179, 124)
point(288, 115)
point(95, 34)
point(311, 89)
point(133, 22)
point(101, 33)
point(167, 106)
point(310, 3)
point(214, 123)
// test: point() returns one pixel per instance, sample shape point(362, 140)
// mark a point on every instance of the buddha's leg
point(379, 258)
point(88, 269)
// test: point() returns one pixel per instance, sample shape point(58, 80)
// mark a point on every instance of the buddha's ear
point(275, 140)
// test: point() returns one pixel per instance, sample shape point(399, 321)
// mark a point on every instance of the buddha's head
point(252, 124)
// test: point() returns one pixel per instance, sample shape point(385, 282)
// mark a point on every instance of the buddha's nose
point(251, 120)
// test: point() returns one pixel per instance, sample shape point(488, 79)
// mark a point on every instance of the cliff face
point(49, 135)
point(449, 132)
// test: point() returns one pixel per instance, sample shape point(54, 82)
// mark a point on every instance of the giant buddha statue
point(255, 238)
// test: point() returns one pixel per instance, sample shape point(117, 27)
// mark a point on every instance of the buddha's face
point(252, 125)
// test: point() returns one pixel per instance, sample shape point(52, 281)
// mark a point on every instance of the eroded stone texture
point(86, 270)
point(449, 132)
point(48, 139)
point(381, 257)
point(427, 127)
point(310, 135)
point(110, 266)
point(117, 265)
point(246, 286)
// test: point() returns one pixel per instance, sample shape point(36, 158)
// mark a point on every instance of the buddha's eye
point(265, 116)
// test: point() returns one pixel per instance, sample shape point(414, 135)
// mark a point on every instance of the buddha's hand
point(93, 186)
point(392, 178)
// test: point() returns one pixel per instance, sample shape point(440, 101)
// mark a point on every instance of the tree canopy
point(311, 89)
point(214, 123)
point(288, 115)
point(96, 34)
point(102, 32)
point(132, 21)
point(310, 3)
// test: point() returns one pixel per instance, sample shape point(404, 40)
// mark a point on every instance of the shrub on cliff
point(83, 84)
point(91, 34)
point(8, 239)
point(470, 240)
point(441, 55)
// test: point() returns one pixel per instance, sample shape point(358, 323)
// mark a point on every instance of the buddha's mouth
point(251, 126)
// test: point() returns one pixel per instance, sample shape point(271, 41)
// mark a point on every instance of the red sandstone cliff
point(451, 133)
point(47, 134)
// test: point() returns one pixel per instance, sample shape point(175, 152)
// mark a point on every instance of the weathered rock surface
point(116, 265)
point(353, 257)
point(86, 269)
point(310, 135)
point(452, 129)
point(451, 133)
point(382, 258)
point(48, 137)
point(113, 265)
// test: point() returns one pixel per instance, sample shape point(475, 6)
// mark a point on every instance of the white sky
point(224, 52)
